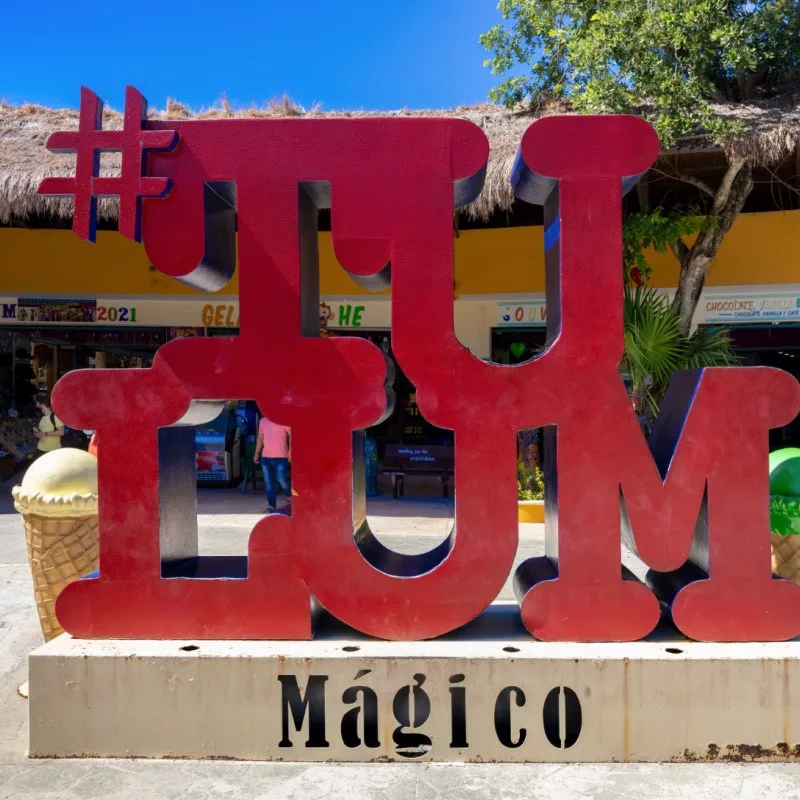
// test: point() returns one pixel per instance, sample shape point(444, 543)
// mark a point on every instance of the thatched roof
point(771, 132)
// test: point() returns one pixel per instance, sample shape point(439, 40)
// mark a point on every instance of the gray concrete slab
point(137, 780)
point(410, 525)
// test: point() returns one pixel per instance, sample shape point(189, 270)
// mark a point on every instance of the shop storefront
point(55, 336)
point(43, 339)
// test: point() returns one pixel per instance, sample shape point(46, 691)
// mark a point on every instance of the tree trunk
point(696, 260)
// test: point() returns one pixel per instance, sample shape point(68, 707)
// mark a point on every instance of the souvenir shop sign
point(528, 314)
point(693, 503)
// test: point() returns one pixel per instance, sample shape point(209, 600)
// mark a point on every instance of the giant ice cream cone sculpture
point(58, 503)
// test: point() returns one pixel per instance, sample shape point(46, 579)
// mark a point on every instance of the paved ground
point(408, 525)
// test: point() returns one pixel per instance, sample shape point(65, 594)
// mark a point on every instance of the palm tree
point(655, 348)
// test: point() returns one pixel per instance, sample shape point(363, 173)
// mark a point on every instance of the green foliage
point(657, 229)
point(666, 58)
point(530, 483)
point(655, 348)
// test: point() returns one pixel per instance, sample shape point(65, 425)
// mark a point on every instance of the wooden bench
point(400, 460)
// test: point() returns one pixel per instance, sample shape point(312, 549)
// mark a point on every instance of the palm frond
point(709, 347)
point(653, 341)
point(655, 348)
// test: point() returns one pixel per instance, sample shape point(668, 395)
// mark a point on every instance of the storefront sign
point(714, 308)
point(123, 312)
point(742, 309)
point(527, 314)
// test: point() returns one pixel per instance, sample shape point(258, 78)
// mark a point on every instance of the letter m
point(298, 705)
point(694, 506)
point(698, 509)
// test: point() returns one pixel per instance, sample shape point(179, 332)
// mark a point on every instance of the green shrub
point(530, 483)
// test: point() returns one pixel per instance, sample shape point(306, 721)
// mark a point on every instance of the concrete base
point(446, 700)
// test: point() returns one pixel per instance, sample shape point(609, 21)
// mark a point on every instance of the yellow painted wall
point(760, 249)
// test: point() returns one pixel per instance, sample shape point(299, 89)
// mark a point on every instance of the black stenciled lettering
point(562, 706)
point(312, 702)
point(367, 710)
point(458, 712)
point(502, 716)
point(410, 743)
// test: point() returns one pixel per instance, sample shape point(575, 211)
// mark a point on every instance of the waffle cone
point(786, 556)
point(60, 551)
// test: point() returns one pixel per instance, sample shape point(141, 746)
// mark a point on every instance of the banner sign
point(527, 314)
point(716, 308)
point(177, 314)
point(749, 308)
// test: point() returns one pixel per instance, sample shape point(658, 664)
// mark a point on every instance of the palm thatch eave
point(769, 132)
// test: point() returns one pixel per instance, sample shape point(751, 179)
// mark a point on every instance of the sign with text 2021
point(691, 501)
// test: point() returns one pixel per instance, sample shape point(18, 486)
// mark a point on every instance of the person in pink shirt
point(273, 452)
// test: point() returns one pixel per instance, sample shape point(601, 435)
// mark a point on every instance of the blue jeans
point(276, 473)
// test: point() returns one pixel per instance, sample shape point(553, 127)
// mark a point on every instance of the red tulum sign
point(693, 504)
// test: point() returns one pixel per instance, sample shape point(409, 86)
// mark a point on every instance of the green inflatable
point(784, 489)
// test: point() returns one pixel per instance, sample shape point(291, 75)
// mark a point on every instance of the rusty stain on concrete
point(743, 753)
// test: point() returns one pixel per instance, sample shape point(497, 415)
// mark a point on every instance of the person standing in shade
point(273, 452)
point(51, 428)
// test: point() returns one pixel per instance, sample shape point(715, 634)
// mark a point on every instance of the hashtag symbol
point(133, 141)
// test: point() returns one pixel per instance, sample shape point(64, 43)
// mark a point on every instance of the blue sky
point(381, 54)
